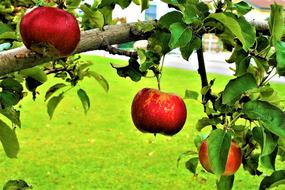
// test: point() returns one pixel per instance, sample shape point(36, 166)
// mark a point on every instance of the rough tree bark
point(22, 58)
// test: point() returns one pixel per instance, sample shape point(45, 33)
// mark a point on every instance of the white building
point(133, 12)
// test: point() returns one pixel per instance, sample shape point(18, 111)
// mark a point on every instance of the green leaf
point(169, 18)
point(242, 66)
point(144, 5)
point(257, 134)
point(5, 28)
point(250, 163)
point(8, 35)
point(275, 179)
point(53, 103)
point(73, 4)
point(181, 35)
point(225, 182)
point(269, 149)
point(9, 140)
point(84, 100)
point(144, 26)
point(280, 56)
point(198, 141)
point(205, 121)
point(236, 87)
point(192, 164)
point(11, 85)
point(107, 13)
point(242, 7)
point(272, 117)
point(276, 22)
point(100, 79)
point(32, 84)
point(190, 94)
point(123, 3)
point(12, 114)
point(137, 2)
point(240, 27)
point(16, 185)
point(159, 42)
point(218, 148)
point(96, 18)
point(132, 70)
point(53, 89)
point(8, 99)
point(185, 154)
point(151, 59)
point(190, 14)
point(36, 73)
point(175, 3)
point(187, 50)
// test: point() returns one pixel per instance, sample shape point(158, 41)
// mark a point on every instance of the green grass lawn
point(103, 150)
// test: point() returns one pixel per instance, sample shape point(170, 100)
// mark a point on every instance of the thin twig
point(116, 51)
point(204, 80)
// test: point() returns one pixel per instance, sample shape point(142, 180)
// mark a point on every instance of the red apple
point(50, 30)
point(233, 161)
point(154, 111)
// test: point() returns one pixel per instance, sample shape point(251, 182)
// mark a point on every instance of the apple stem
point(158, 81)
point(158, 75)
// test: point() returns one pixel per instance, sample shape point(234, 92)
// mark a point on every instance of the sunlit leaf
point(190, 94)
point(100, 79)
point(181, 35)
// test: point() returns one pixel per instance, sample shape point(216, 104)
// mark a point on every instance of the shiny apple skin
point(154, 111)
point(50, 30)
point(233, 161)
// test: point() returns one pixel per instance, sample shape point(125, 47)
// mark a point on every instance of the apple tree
point(246, 119)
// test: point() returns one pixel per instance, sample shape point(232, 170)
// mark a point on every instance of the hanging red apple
point(154, 111)
point(50, 30)
point(233, 161)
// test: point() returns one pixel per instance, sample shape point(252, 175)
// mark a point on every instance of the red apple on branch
point(50, 30)
point(233, 161)
point(154, 111)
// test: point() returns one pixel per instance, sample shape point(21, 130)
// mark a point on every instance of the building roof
point(264, 4)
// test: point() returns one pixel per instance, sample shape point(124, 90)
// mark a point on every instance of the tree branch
point(116, 51)
point(22, 58)
point(204, 81)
